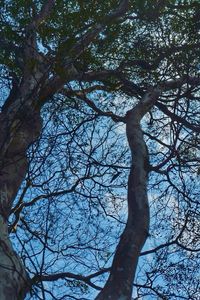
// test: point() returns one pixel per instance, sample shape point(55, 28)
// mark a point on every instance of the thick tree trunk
point(13, 278)
point(120, 282)
point(20, 126)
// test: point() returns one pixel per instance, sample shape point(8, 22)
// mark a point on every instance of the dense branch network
point(77, 188)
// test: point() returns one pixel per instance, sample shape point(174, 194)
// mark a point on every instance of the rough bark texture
point(13, 277)
point(20, 127)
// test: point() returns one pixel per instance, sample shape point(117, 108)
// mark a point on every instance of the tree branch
point(53, 277)
point(179, 119)
point(82, 95)
point(43, 14)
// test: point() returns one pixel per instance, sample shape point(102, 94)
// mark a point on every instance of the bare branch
point(53, 277)
point(82, 95)
point(179, 119)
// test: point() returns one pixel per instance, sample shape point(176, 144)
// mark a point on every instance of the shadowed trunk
point(119, 285)
point(20, 127)
point(120, 282)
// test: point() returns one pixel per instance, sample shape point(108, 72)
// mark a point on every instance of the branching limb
point(43, 14)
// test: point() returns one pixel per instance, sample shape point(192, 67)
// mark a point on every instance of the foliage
point(71, 209)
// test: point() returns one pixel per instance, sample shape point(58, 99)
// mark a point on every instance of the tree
point(71, 74)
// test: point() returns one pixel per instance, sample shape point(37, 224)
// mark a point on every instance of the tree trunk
point(120, 282)
point(13, 277)
point(20, 126)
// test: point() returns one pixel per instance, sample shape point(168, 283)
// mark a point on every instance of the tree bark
point(20, 126)
point(120, 282)
point(13, 278)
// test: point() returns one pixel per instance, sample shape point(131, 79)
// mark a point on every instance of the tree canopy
point(99, 149)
